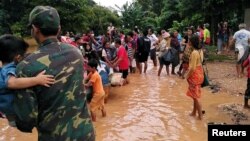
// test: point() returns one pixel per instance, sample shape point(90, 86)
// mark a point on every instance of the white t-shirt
point(241, 38)
point(153, 40)
point(110, 28)
point(104, 54)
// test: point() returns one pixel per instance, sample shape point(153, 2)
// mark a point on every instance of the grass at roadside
point(213, 56)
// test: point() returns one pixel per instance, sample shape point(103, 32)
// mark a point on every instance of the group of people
point(47, 89)
point(122, 54)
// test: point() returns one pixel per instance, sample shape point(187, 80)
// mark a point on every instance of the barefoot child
point(12, 50)
point(185, 61)
point(247, 93)
point(97, 101)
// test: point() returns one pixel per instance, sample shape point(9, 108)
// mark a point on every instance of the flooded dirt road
point(150, 108)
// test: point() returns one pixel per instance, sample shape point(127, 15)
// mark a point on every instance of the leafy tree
point(169, 13)
point(76, 15)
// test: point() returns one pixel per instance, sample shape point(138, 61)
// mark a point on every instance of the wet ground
point(153, 108)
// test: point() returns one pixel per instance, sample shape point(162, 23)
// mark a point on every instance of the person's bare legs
point(140, 68)
point(104, 114)
point(183, 73)
point(107, 90)
point(238, 70)
point(93, 116)
point(242, 70)
point(167, 69)
point(173, 70)
point(145, 66)
point(246, 103)
point(159, 71)
point(199, 109)
point(180, 70)
point(155, 62)
point(193, 113)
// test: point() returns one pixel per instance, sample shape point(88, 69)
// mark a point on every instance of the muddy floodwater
point(150, 108)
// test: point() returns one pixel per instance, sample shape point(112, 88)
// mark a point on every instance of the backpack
point(144, 44)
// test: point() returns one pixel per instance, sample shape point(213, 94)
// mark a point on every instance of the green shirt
point(59, 112)
point(206, 34)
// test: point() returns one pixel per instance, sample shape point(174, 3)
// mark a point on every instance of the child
point(247, 93)
point(97, 101)
point(185, 61)
point(12, 50)
point(104, 72)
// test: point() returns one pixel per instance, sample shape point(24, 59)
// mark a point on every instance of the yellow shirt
point(96, 81)
point(196, 60)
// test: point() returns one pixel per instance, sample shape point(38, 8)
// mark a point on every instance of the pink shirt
point(124, 64)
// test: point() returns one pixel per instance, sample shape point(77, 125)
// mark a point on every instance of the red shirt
point(124, 63)
point(245, 64)
point(86, 38)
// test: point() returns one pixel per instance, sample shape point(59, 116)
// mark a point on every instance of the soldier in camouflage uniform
point(60, 112)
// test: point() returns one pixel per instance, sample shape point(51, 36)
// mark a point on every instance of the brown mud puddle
point(155, 108)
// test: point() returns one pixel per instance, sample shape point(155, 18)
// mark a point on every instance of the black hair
point(118, 41)
point(130, 33)
point(104, 43)
point(145, 32)
point(151, 29)
point(191, 28)
point(93, 63)
point(10, 46)
point(195, 41)
point(136, 30)
point(201, 26)
point(49, 31)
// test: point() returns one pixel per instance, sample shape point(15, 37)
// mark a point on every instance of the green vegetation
point(213, 56)
point(81, 15)
point(76, 15)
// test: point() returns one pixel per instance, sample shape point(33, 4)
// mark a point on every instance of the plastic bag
point(133, 63)
point(116, 79)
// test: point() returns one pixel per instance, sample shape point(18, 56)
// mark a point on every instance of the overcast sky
point(112, 3)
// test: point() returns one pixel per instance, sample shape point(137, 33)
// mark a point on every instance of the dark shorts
point(124, 73)
point(163, 62)
point(153, 54)
point(244, 57)
point(247, 93)
point(142, 57)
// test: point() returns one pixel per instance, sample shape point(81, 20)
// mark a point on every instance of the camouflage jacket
point(60, 112)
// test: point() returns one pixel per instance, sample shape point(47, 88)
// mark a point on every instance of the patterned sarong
point(194, 81)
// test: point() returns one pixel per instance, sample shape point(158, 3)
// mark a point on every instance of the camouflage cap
point(44, 17)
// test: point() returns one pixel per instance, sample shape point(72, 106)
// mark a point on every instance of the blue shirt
point(179, 38)
point(6, 95)
point(103, 70)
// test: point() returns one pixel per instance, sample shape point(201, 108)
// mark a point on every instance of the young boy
point(97, 101)
point(12, 50)
point(247, 93)
point(104, 72)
